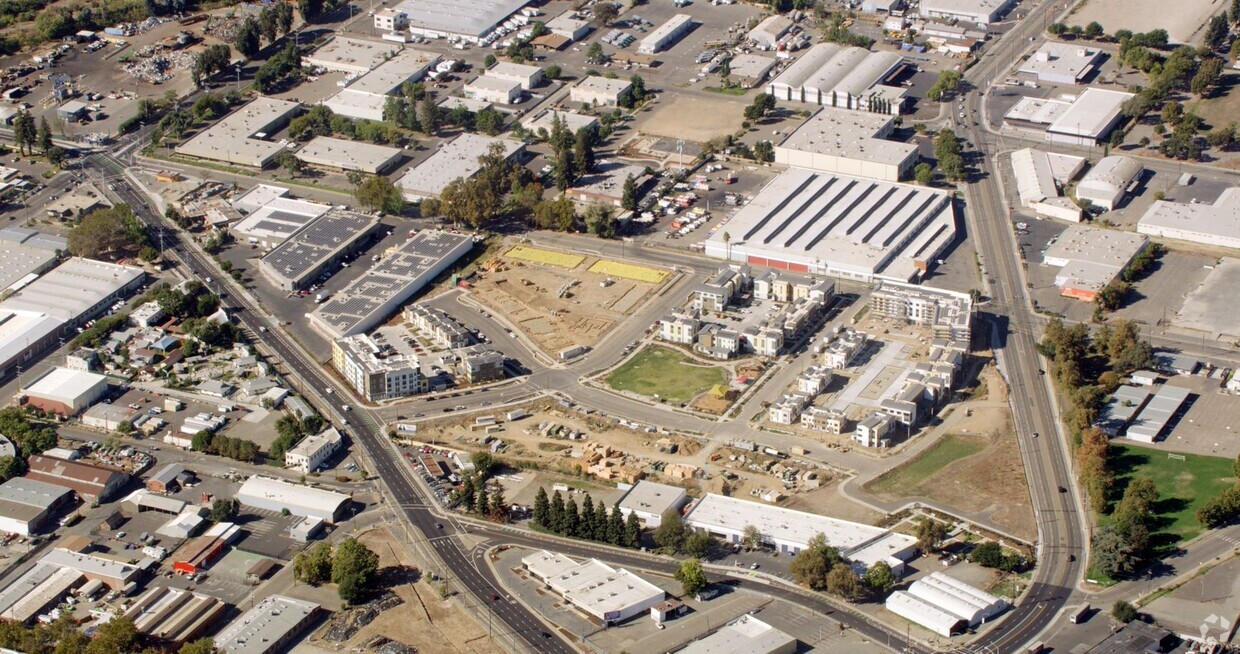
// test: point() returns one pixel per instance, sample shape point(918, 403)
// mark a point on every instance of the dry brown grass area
point(423, 621)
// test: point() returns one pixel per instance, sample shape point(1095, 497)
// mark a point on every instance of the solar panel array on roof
point(402, 273)
point(313, 247)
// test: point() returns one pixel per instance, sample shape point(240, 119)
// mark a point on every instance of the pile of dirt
point(345, 624)
point(384, 645)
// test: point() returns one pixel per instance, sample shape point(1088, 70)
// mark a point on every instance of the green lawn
point(667, 373)
point(904, 480)
point(1183, 487)
point(728, 90)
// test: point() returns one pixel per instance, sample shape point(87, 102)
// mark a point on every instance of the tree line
point(592, 521)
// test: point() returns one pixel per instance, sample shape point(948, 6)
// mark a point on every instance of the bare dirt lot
point(558, 307)
point(421, 620)
point(694, 119)
point(1183, 24)
point(976, 469)
point(550, 433)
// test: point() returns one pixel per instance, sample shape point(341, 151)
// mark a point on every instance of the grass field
point(1183, 487)
point(548, 257)
point(904, 480)
point(666, 373)
point(628, 271)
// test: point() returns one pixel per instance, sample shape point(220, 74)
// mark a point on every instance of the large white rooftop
point(1091, 113)
point(828, 68)
point(17, 261)
point(351, 55)
point(388, 77)
point(279, 218)
point(544, 119)
point(593, 586)
point(294, 495)
point(1067, 62)
point(457, 158)
point(65, 385)
point(652, 497)
point(272, 620)
point(235, 138)
point(843, 133)
point(332, 152)
point(320, 240)
point(1217, 223)
point(978, 10)
point(836, 224)
point(748, 635)
point(72, 288)
point(463, 17)
point(730, 513)
point(1102, 246)
point(1039, 174)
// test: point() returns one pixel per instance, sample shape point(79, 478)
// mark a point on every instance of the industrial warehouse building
point(544, 120)
point(468, 20)
point(747, 635)
point(1061, 63)
point(175, 616)
point(316, 247)
point(848, 143)
point(944, 605)
point(1040, 179)
point(980, 12)
point(457, 158)
point(276, 220)
point(665, 35)
point(92, 483)
point(367, 95)
point(526, 75)
point(1212, 224)
point(787, 531)
point(834, 225)
point(276, 495)
point(1090, 258)
point(342, 155)
point(1109, 181)
point(268, 627)
point(843, 77)
point(51, 307)
point(600, 91)
point(605, 593)
point(768, 32)
point(349, 55)
point(65, 392)
point(750, 70)
point(109, 416)
point(241, 137)
point(1149, 424)
point(373, 372)
point(378, 292)
point(1084, 120)
point(650, 500)
point(21, 262)
point(28, 505)
point(494, 90)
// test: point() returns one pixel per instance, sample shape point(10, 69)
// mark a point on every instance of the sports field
point(547, 257)
point(666, 373)
point(628, 271)
point(1183, 486)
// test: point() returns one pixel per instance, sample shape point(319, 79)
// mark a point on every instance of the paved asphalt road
point(1009, 314)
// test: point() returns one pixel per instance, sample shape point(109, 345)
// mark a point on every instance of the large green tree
point(691, 576)
point(353, 569)
point(109, 234)
point(671, 533)
point(314, 565)
point(378, 193)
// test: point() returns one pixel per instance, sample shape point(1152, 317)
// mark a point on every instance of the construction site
point(563, 301)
